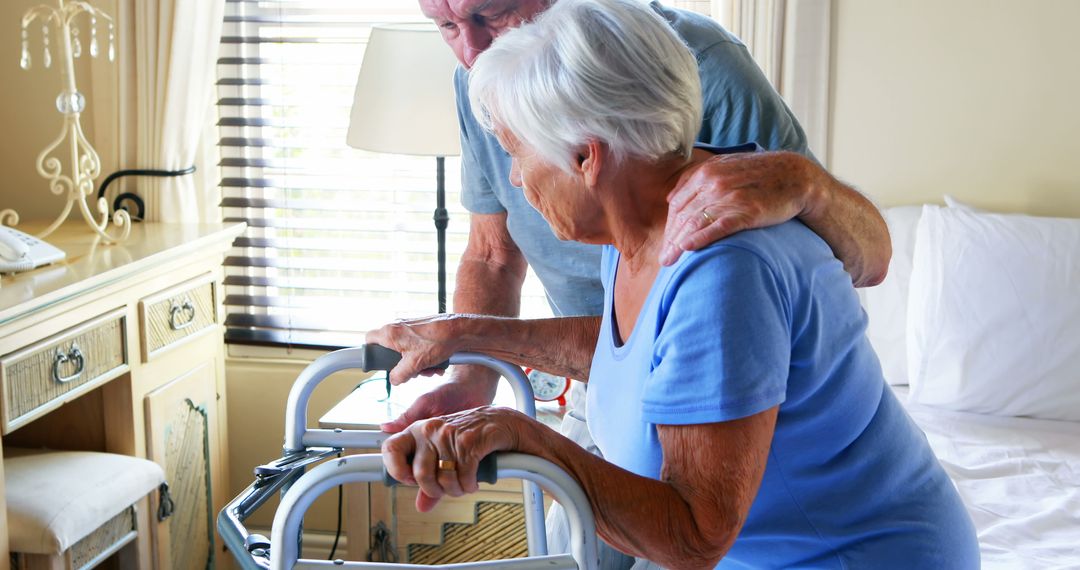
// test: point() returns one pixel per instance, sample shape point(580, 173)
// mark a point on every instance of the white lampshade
point(404, 101)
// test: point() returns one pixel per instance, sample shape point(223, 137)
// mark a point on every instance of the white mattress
point(1020, 479)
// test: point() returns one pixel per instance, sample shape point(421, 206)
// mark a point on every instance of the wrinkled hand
point(734, 192)
point(454, 396)
point(465, 438)
point(423, 343)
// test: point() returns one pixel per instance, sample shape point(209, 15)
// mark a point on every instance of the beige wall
point(28, 117)
point(977, 98)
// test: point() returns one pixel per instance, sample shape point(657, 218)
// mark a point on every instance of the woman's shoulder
point(784, 244)
point(778, 260)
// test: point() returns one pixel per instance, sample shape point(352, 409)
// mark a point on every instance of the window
point(339, 240)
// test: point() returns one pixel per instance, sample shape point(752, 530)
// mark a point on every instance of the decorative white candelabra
point(85, 164)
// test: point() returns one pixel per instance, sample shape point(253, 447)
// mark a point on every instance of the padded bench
point(73, 509)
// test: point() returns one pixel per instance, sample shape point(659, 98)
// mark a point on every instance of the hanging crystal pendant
point(76, 45)
point(24, 61)
point(93, 37)
point(46, 58)
point(112, 49)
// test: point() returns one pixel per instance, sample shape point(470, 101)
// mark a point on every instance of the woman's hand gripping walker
point(305, 446)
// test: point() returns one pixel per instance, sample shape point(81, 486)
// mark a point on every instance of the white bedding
point(1020, 479)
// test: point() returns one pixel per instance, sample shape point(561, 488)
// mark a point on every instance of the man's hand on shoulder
point(730, 193)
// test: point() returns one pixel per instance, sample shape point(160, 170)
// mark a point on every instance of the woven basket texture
point(30, 379)
point(499, 532)
point(159, 326)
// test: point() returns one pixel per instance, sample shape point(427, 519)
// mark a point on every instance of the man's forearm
point(485, 289)
point(852, 226)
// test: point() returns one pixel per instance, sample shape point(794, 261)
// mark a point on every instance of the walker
point(304, 447)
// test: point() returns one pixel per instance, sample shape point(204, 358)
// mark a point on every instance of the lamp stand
point(84, 162)
point(442, 219)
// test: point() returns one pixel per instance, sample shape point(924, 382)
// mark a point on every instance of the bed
point(978, 331)
point(1020, 479)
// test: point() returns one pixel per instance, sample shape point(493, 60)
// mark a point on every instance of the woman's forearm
point(560, 345)
point(641, 517)
point(691, 517)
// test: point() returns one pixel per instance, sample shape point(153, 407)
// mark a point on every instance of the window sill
point(292, 345)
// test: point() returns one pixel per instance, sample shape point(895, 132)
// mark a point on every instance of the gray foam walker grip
point(378, 357)
point(486, 472)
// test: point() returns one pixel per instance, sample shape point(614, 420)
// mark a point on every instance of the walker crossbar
point(553, 562)
point(369, 468)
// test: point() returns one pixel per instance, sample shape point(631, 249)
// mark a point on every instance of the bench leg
point(60, 561)
point(138, 554)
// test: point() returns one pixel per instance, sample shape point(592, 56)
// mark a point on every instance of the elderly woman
point(740, 410)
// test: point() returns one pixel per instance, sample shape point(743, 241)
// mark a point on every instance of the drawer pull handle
point(74, 355)
point(182, 316)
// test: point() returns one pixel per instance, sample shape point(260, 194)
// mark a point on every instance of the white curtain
point(700, 6)
point(791, 41)
point(167, 81)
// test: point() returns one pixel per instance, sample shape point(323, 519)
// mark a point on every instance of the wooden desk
point(436, 537)
point(152, 307)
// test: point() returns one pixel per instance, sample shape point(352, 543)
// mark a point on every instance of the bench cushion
point(55, 498)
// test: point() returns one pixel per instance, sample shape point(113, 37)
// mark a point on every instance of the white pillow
point(952, 202)
point(994, 314)
point(886, 303)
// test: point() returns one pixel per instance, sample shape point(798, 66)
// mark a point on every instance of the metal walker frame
point(304, 447)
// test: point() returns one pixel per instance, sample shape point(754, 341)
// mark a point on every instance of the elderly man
point(724, 195)
point(741, 411)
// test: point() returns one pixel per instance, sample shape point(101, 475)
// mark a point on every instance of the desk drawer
point(177, 314)
point(41, 377)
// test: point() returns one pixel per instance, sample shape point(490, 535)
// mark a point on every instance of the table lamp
point(404, 104)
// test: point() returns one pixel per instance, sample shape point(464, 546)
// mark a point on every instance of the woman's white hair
point(606, 70)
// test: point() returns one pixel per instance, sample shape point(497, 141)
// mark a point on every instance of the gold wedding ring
point(447, 465)
point(708, 218)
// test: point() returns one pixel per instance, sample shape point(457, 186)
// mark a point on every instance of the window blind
point(339, 240)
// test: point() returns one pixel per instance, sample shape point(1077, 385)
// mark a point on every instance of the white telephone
point(22, 252)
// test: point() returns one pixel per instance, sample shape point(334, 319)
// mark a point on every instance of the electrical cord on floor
point(337, 533)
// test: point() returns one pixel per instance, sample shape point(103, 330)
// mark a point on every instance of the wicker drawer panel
point(176, 314)
point(108, 537)
point(38, 378)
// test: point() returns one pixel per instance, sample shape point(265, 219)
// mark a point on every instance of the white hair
point(606, 70)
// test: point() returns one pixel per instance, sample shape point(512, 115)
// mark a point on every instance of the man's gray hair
point(608, 70)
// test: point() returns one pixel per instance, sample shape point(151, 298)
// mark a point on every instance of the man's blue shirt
point(739, 107)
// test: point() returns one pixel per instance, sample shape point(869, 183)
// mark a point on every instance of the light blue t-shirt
point(740, 106)
point(769, 318)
